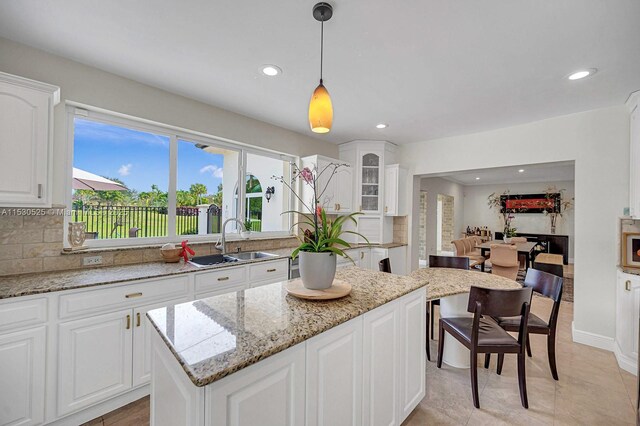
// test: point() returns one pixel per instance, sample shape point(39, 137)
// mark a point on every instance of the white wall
point(477, 213)
point(98, 88)
point(433, 187)
point(598, 141)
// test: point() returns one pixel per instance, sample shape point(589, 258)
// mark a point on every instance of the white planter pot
point(317, 270)
point(245, 234)
point(506, 239)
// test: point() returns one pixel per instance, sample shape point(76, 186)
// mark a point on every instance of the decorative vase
point(507, 240)
point(76, 235)
point(245, 234)
point(553, 229)
point(317, 270)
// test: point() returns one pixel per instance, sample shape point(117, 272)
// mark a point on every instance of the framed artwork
point(631, 250)
point(531, 203)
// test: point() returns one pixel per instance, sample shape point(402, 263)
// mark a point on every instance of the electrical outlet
point(92, 260)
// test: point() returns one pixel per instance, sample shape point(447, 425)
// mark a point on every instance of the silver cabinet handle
point(627, 285)
point(133, 295)
point(39, 190)
point(271, 270)
point(223, 278)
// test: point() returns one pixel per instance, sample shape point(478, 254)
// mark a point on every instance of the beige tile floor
point(592, 390)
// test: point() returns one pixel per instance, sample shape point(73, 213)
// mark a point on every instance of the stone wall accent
point(401, 229)
point(448, 224)
point(31, 243)
point(422, 227)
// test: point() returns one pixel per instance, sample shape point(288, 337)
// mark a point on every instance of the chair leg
point(474, 379)
point(500, 362)
point(487, 360)
point(551, 351)
point(440, 345)
point(432, 320)
point(529, 346)
point(522, 380)
point(428, 340)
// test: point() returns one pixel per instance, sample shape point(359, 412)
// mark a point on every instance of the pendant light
point(320, 107)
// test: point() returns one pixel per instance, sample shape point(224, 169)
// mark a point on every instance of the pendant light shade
point(320, 106)
point(320, 110)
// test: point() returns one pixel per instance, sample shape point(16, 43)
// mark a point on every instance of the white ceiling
point(428, 68)
point(546, 172)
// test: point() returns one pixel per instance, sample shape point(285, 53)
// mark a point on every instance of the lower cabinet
point(334, 376)
point(627, 316)
point(94, 359)
point(413, 355)
point(22, 377)
point(272, 394)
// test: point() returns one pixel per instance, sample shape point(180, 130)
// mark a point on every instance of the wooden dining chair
point(521, 257)
point(480, 334)
point(504, 261)
point(546, 285)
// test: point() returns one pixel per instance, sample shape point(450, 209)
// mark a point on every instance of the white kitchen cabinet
point(334, 376)
point(22, 376)
point(634, 145)
point(142, 341)
point(94, 360)
point(627, 316)
point(395, 194)
point(26, 135)
point(271, 393)
point(413, 327)
point(335, 194)
point(381, 366)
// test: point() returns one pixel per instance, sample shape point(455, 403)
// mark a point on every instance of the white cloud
point(214, 170)
point(125, 169)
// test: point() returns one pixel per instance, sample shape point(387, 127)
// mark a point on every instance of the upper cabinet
point(26, 136)
point(395, 195)
point(634, 172)
point(335, 193)
point(370, 181)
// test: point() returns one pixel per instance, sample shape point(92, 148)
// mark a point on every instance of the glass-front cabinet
point(370, 182)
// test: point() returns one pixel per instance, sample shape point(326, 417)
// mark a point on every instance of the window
point(131, 179)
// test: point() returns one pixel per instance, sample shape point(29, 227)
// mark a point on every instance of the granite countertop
point(443, 282)
point(215, 337)
point(47, 282)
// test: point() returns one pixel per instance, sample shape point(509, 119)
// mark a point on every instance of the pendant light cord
point(321, 45)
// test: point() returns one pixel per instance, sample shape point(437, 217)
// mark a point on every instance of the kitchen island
point(262, 357)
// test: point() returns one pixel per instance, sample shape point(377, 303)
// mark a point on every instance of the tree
point(198, 190)
point(217, 198)
point(184, 198)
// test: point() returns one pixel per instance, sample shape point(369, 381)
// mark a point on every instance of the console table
point(555, 244)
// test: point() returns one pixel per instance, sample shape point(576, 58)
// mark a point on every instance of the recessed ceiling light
point(521, 171)
point(271, 70)
point(381, 126)
point(477, 178)
point(581, 74)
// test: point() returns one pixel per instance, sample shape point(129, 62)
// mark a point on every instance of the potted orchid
point(321, 237)
point(561, 205)
point(494, 201)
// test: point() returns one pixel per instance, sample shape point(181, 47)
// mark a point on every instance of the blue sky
point(141, 159)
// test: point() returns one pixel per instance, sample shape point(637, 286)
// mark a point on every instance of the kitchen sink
point(252, 255)
point(212, 259)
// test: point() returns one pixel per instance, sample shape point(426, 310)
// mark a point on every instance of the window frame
point(175, 134)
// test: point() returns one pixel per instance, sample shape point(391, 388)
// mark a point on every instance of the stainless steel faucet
point(223, 242)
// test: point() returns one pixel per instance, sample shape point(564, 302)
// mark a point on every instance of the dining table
point(452, 287)
point(524, 248)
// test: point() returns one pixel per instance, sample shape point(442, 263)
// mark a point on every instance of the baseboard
point(102, 408)
point(592, 339)
point(624, 361)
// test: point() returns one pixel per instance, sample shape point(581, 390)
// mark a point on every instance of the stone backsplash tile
point(21, 266)
point(10, 251)
point(21, 236)
point(10, 222)
point(41, 250)
point(53, 235)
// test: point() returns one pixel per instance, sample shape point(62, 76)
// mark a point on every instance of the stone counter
point(215, 337)
point(443, 282)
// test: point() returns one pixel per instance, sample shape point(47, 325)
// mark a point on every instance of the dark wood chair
point(483, 335)
point(445, 262)
point(385, 265)
point(547, 285)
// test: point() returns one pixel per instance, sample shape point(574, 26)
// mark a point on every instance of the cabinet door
point(413, 328)
point(365, 259)
point(334, 376)
point(398, 259)
point(24, 145)
point(94, 359)
point(344, 189)
point(628, 306)
point(142, 341)
point(381, 360)
point(269, 393)
point(391, 191)
point(22, 371)
point(377, 254)
point(634, 170)
point(370, 170)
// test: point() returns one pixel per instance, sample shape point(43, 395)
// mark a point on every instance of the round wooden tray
point(336, 291)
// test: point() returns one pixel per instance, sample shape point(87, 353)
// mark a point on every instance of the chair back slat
point(385, 265)
point(448, 262)
point(544, 283)
point(497, 302)
point(557, 270)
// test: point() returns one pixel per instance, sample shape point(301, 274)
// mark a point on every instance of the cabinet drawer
point(22, 313)
point(134, 294)
point(220, 278)
point(272, 271)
